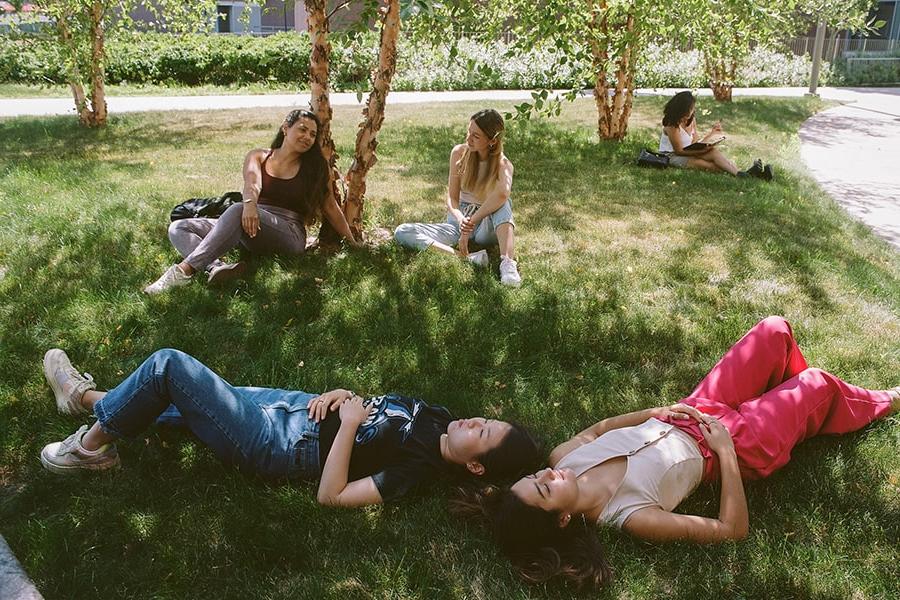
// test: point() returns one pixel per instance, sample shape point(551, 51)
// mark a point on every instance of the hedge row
point(284, 58)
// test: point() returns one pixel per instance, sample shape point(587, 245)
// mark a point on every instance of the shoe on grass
point(768, 173)
point(756, 170)
point(69, 456)
point(68, 385)
point(173, 277)
point(509, 272)
point(223, 272)
point(479, 258)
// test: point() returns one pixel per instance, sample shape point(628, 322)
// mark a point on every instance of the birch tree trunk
point(98, 66)
point(73, 73)
point(319, 71)
point(364, 157)
point(613, 111)
point(721, 74)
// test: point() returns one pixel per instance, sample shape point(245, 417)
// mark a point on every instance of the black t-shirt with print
point(399, 444)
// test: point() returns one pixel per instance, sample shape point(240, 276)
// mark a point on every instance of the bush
point(876, 72)
point(195, 59)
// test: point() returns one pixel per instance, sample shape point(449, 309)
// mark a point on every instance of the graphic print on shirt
point(389, 414)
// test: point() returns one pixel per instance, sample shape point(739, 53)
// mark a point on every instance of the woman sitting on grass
point(285, 189)
point(631, 471)
point(362, 451)
point(478, 205)
point(680, 131)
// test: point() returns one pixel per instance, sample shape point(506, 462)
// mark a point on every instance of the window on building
point(223, 22)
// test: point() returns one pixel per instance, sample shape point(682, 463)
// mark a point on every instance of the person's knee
point(164, 358)
point(176, 230)
point(775, 324)
point(408, 236)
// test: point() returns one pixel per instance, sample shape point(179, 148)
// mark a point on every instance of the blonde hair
point(491, 124)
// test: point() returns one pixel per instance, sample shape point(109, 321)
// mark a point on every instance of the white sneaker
point(69, 456)
point(68, 384)
point(479, 258)
point(173, 277)
point(509, 273)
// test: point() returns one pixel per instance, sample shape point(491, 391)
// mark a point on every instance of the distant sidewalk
point(20, 107)
point(853, 151)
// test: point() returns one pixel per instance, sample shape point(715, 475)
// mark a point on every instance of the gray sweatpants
point(203, 241)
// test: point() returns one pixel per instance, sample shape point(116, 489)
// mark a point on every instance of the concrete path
point(14, 583)
point(853, 151)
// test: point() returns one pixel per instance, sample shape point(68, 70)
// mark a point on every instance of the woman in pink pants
point(631, 471)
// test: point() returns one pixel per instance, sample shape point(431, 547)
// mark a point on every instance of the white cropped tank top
point(467, 196)
point(664, 465)
point(665, 144)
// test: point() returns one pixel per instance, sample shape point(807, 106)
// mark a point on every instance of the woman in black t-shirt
point(363, 451)
point(285, 190)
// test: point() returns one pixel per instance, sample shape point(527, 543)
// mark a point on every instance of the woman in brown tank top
point(285, 189)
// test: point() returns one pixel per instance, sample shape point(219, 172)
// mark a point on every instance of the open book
point(705, 145)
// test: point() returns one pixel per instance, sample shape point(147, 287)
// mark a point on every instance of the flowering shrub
point(284, 58)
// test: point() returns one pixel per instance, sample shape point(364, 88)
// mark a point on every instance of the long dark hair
point(538, 547)
point(313, 169)
point(517, 453)
point(677, 107)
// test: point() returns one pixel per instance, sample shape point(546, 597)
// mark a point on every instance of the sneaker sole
point(62, 401)
point(63, 470)
point(228, 273)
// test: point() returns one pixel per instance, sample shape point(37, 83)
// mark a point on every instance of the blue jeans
point(419, 236)
point(260, 430)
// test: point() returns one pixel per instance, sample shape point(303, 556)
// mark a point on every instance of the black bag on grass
point(649, 158)
point(211, 208)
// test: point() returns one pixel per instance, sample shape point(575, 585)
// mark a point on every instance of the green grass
point(635, 282)
point(27, 90)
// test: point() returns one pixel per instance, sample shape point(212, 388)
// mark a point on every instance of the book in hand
point(705, 145)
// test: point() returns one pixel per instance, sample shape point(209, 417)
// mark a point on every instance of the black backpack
point(211, 208)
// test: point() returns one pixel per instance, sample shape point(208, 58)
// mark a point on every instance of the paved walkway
point(14, 583)
point(853, 150)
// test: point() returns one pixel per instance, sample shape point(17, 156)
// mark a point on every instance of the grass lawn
point(635, 282)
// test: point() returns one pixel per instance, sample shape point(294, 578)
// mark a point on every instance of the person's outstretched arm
point(336, 217)
point(334, 489)
point(657, 525)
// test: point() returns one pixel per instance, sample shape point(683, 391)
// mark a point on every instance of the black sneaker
point(756, 170)
point(768, 173)
point(222, 274)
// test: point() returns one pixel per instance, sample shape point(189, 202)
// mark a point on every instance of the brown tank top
point(284, 193)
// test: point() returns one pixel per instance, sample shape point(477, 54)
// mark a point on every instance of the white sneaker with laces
point(69, 456)
point(68, 385)
point(479, 258)
point(173, 277)
point(509, 272)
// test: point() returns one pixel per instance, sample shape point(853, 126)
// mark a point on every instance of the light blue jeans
point(260, 430)
point(419, 236)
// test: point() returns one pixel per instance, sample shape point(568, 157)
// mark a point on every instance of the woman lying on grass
point(680, 131)
point(285, 189)
point(631, 471)
point(362, 451)
point(478, 205)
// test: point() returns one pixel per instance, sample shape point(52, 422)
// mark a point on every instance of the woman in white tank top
point(478, 204)
point(680, 131)
point(631, 471)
